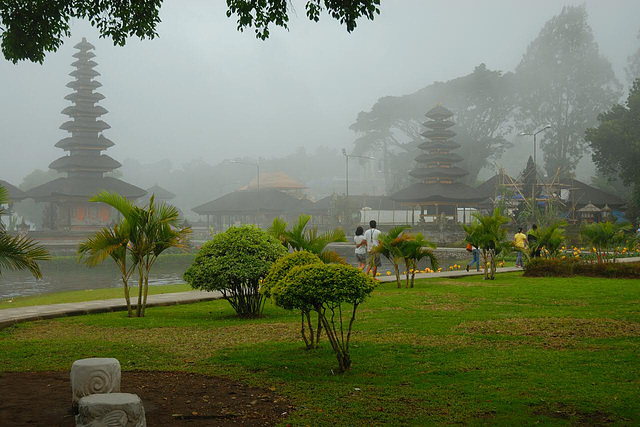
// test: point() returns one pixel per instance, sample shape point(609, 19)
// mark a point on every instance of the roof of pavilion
point(488, 187)
point(274, 180)
point(456, 193)
point(160, 193)
point(15, 193)
point(83, 187)
point(583, 194)
point(265, 200)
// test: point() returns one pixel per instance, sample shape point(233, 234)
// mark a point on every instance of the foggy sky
point(204, 90)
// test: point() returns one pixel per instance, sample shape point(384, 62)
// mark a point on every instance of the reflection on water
point(71, 277)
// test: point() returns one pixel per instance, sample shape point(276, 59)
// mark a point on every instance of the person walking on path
point(372, 236)
point(531, 241)
point(520, 241)
point(361, 248)
point(476, 256)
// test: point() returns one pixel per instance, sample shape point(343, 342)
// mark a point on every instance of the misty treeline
point(562, 80)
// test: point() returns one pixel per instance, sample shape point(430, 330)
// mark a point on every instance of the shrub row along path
point(39, 312)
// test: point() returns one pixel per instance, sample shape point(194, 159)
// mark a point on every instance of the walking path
point(10, 316)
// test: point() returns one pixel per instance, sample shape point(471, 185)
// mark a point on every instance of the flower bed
point(567, 267)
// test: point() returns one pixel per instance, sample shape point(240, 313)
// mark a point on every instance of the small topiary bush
point(233, 263)
point(277, 273)
point(283, 266)
point(326, 288)
point(557, 267)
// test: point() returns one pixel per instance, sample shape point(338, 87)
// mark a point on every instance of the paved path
point(10, 316)
point(455, 273)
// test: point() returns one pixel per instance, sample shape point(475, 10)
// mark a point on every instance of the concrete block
point(94, 376)
point(111, 410)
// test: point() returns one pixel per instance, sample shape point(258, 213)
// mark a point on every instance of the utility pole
point(535, 170)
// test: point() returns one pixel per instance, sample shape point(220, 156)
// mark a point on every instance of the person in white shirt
point(371, 236)
point(361, 248)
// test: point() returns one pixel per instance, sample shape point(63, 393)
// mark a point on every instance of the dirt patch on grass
point(169, 399)
point(444, 307)
point(191, 343)
point(554, 327)
point(575, 417)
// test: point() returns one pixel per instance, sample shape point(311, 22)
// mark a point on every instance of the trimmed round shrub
point(283, 266)
point(324, 288)
point(233, 263)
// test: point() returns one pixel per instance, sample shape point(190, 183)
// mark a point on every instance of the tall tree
point(564, 82)
point(633, 67)
point(482, 102)
point(616, 142)
point(30, 28)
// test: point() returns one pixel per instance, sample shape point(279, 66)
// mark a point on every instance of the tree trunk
point(140, 286)
point(127, 297)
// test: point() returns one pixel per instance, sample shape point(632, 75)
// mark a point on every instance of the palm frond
point(21, 253)
point(331, 257)
point(116, 201)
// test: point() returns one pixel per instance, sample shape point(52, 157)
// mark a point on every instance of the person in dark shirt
point(533, 241)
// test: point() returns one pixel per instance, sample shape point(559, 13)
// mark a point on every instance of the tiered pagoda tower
point(84, 163)
point(438, 190)
point(86, 143)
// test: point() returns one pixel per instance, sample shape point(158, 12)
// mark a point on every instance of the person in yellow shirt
point(520, 241)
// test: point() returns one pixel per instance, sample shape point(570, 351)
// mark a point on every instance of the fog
point(202, 90)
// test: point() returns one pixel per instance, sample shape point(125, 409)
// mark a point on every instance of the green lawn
point(86, 295)
point(511, 351)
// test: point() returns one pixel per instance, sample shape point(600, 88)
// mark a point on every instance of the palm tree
point(549, 238)
point(111, 242)
point(487, 233)
point(413, 249)
point(143, 234)
point(303, 238)
point(19, 252)
point(605, 236)
point(390, 247)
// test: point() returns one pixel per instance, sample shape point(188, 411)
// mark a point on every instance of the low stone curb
point(11, 316)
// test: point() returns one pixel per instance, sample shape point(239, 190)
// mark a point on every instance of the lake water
point(71, 277)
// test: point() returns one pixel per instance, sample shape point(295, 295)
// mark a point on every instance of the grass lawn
point(511, 351)
point(86, 295)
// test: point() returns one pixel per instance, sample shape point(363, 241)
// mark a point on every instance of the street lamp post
point(257, 165)
point(535, 170)
point(346, 157)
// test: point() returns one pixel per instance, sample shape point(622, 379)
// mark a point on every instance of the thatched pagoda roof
point(79, 162)
point(265, 200)
point(160, 193)
point(15, 193)
point(439, 113)
point(83, 188)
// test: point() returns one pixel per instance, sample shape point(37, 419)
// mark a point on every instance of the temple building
point(84, 163)
point(438, 190)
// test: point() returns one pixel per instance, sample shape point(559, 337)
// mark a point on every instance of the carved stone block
point(94, 376)
point(111, 410)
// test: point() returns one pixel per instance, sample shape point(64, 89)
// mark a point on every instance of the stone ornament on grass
point(111, 410)
point(94, 376)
